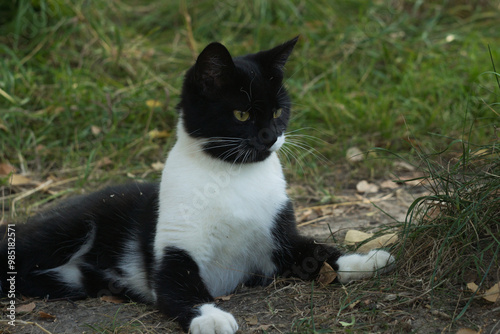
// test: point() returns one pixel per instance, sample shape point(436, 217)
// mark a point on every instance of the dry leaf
point(326, 275)
point(364, 187)
point(113, 299)
point(46, 316)
point(158, 166)
point(493, 293)
point(352, 237)
point(156, 134)
point(472, 286)
point(26, 308)
point(354, 304)
point(252, 320)
point(18, 180)
point(388, 184)
point(153, 103)
point(104, 162)
point(95, 130)
point(467, 331)
point(380, 242)
point(354, 154)
point(6, 169)
point(223, 298)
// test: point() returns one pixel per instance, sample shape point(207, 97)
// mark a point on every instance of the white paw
point(358, 266)
point(213, 321)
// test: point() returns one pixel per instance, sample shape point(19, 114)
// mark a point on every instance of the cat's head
point(237, 107)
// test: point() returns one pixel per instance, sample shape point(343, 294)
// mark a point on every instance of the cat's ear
point(277, 57)
point(214, 67)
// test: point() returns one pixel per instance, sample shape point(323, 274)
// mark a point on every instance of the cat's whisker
point(307, 149)
point(289, 155)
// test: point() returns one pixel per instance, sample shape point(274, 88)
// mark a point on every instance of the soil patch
point(388, 304)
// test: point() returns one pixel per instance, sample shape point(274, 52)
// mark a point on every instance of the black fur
point(218, 84)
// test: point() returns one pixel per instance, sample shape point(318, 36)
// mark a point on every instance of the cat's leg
point(306, 257)
point(182, 294)
point(302, 257)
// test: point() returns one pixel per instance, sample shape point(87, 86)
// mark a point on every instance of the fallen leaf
point(113, 299)
point(493, 293)
point(156, 134)
point(18, 180)
point(388, 184)
point(26, 308)
point(354, 154)
point(354, 303)
point(223, 298)
point(153, 103)
point(104, 162)
point(467, 331)
point(95, 130)
point(380, 242)
point(365, 187)
point(472, 286)
point(158, 166)
point(46, 316)
point(6, 169)
point(326, 275)
point(353, 236)
point(252, 320)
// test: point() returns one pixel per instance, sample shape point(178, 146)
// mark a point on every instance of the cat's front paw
point(358, 266)
point(213, 321)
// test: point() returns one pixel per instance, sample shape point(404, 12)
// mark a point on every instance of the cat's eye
point(277, 112)
point(241, 116)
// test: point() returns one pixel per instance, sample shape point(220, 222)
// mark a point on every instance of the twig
point(28, 193)
point(321, 207)
point(312, 221)
point(334, 205)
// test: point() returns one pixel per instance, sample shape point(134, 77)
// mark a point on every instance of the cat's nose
point(268, 137)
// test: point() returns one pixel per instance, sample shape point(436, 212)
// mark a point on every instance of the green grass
point(83, 84)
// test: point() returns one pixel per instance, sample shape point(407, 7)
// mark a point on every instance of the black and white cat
point(219, 218)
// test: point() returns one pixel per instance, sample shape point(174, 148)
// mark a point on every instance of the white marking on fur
point(220, 213)
point(213, 320)
point(279, 142)
point(69, 273)
point(358, 266)
point(134, 273)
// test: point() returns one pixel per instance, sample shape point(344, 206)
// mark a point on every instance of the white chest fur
point(221, 214)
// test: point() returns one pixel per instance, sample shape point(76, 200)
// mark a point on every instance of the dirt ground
point(389, 304)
